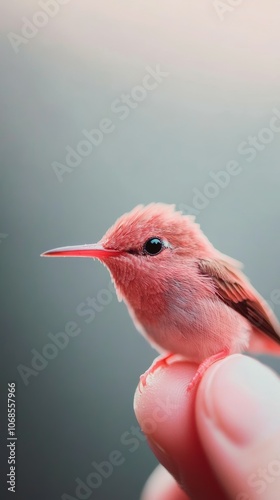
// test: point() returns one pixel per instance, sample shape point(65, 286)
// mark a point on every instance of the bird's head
point(143, 242)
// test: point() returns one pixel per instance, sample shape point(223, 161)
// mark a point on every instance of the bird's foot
point(159, 362)
point(204, 366)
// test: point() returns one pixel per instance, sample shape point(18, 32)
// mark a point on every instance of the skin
point(220, 441)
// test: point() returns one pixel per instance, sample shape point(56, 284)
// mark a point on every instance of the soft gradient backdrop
point(62, 78)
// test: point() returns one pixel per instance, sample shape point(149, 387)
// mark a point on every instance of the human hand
point(221, 441)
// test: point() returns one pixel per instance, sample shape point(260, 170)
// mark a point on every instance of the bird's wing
point(233, 289)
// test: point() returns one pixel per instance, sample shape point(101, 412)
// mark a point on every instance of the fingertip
point(162, 403)
point(164, 411)
point(241, 397)
point(166, 414)
point(238, 421)
point(159, 383)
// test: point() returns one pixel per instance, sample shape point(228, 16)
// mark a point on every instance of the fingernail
point(241, 397)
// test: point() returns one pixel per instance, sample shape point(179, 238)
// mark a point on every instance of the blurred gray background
point(220, 92)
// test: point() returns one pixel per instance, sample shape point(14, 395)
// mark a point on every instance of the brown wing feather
point(229, 284)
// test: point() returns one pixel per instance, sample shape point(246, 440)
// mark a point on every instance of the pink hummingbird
point(183, 295)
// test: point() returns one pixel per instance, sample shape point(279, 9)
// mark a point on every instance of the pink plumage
point(184, 295)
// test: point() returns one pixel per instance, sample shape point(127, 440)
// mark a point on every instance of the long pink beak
point(94, 251)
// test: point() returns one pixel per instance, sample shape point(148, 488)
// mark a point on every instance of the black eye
point(153, 246)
